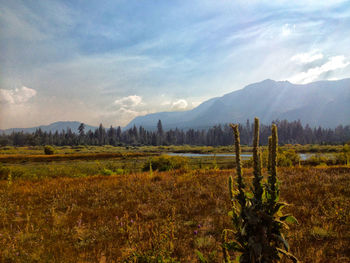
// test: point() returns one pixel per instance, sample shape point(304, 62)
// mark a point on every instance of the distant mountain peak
point(271, 81)
point(64, 122)
point(267, 81)
point(324, 103)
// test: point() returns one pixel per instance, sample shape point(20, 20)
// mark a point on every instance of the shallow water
point(303, 156)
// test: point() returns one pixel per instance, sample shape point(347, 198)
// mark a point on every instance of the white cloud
point(128, 108)
point(121, 116)
point(166, 103)
point(17, 95)
point(128, 114)
point(334, 63)
point(129, 101)
point(287, 29)
point(180, 104)
point(303, 58)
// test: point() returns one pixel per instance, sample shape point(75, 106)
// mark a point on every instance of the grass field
point(81, 161)
point(53, 166)
point(168, 215)
point(81, 149)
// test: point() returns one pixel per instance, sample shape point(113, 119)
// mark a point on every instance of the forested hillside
point(289, 132)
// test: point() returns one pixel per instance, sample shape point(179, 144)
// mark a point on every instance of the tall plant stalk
point(241, 195)
point(273, 190)
point(258, 189)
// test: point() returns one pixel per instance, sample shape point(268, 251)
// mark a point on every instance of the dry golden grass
point(170, 214)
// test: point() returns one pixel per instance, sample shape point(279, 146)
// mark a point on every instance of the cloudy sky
point(109, 61)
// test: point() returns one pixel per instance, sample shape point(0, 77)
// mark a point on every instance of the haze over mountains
point(53, 127)
point(321, 103)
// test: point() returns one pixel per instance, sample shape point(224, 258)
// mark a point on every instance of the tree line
point(220, 135)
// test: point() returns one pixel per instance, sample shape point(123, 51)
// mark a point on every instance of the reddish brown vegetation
point(170, 214)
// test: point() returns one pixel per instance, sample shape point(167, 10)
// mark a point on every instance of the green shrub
point(119, 171)
point(166, 163)
point(341, 158)
point(318, 159)
point(106, 171)
point(49, 150)
point(287, 158)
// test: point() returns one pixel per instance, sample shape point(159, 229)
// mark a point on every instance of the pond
point(245, 156)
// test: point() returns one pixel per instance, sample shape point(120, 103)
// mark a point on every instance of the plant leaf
point(201, 258)
point(278, 207)
point(233, 246)
point(289, 219)
point(284, 242)
point(289, 255)
point(249, 195)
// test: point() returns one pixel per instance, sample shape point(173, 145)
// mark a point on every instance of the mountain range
point(321, 103)
point(53, 127)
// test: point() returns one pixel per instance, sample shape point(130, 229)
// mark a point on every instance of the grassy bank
point(20, 158)
point(81, 149)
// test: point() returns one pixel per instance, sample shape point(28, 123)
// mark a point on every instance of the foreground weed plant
point(257, 219)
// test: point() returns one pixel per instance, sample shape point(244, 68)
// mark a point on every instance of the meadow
point(81, 149)
point(116, 210)
point(80, 161)
point(167, 215)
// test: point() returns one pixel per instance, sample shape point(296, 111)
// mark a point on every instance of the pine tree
point(160, 133)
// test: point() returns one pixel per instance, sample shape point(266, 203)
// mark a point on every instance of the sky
point(110, 61)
